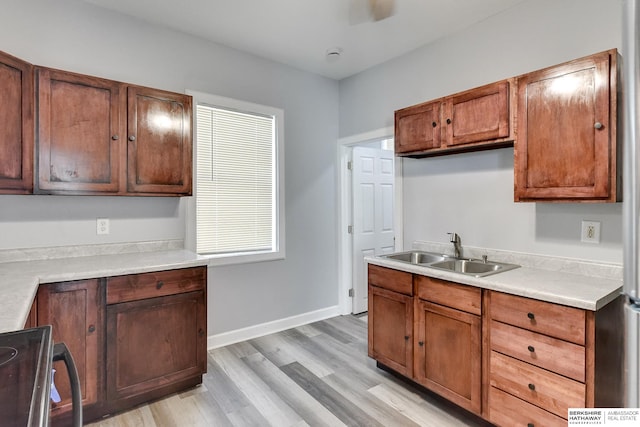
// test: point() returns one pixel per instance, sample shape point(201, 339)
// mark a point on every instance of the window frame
point(279, 252)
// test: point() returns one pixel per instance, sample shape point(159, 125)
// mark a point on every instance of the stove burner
point(7, 354)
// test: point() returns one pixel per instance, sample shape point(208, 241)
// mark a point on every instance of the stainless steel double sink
point(466, 266)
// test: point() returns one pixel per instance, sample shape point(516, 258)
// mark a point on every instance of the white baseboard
point(238, 335)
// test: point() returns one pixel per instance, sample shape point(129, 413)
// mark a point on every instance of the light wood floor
point(313, 375)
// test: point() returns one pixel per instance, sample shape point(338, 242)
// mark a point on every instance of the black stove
point(25, 377)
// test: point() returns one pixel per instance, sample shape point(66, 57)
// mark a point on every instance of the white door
point(372, 214)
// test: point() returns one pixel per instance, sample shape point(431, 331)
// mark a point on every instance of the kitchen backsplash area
point(57, 252)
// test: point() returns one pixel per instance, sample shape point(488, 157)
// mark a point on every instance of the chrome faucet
point(455, 239)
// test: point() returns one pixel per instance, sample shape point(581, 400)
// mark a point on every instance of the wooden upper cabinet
point(476, 119)
point(79, 128)
point(477, 115)
point(159, 141)
point(566, 148)
point(417, 128)
point(97, 136)
point(16, 126)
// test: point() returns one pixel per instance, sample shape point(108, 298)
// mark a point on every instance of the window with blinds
point(237, 203)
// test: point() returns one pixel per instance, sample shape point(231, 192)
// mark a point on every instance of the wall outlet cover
point(102, 226)
point(590, 232)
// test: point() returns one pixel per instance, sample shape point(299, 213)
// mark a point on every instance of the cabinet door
point(477, 115)
point(566, 146)
point(75, 312)
point(78, 133)
point(417, 128)
point(448, 354)
point(391, 329)
point(159, 142)
point(154, 343)
point(16, 126)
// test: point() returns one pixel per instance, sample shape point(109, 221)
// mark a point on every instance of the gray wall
point(472, 194)
point(75, 36)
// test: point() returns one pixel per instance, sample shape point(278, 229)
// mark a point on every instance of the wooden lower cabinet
point(436, 343)
point(508, 410)
point(153, 343)
point(390, 329)
point(448, 354)
point(545, 358)
point(75, 310)
point(148, 342)
point(508, 359)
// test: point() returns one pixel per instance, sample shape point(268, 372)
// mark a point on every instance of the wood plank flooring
point(313, 375)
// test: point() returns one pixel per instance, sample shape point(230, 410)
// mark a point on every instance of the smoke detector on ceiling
point(333, 54)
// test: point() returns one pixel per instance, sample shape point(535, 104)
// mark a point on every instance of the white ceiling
point(299, 32)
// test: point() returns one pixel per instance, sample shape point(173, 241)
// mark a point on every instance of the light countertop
point(19, 280)
point(568, 288)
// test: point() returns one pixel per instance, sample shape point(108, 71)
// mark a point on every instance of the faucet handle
point(453, 237)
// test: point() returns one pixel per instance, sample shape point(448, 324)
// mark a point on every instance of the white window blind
point(236, 182)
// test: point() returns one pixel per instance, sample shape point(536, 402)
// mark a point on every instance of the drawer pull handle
point(531, 316)
point(531, 349)
point(532, 387)
point(92, 328)
point(160, 284)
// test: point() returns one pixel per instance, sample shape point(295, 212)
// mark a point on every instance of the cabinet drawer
point(542, 388)
point(156, 284)
point(393, 280)
point(506, 410)
point(558, 321)
point(465, 298)
point(549, 353)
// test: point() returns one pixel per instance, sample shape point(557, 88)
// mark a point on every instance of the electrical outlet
point(590, 232)
point(102, 226)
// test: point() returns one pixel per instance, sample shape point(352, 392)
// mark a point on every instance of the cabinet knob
point(159, 284)
point(132, 137)
point(598, 125)
point(531, 349)
point(530, 425)
point(406, 337)
point(92, 328)
point(115, 137)
point(420, 343)
point(434, 124)
point(531, 316)
point(201, 332)
point(448, 121)
point(532, 387)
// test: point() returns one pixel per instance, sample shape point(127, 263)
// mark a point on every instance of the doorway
point(370, 220)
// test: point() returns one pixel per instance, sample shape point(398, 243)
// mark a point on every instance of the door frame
point(344, 203)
